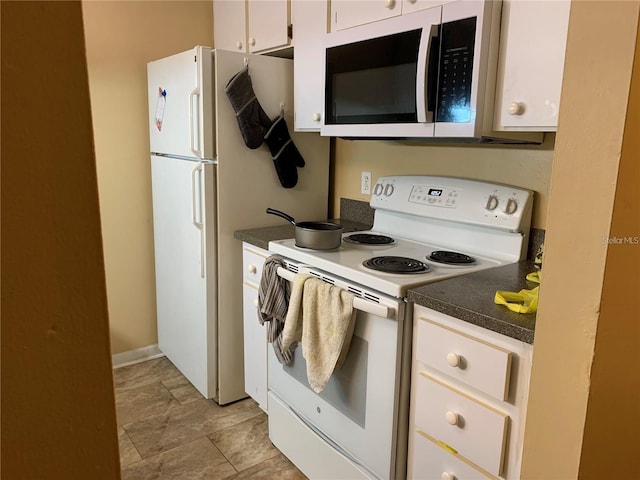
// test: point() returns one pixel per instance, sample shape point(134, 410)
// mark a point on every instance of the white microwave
point(424, 75)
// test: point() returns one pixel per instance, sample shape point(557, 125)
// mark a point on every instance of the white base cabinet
point(469, 388)
point(255, 335)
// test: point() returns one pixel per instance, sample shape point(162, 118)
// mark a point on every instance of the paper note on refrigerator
point(160, 104)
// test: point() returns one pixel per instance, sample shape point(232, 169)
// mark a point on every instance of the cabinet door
point(255, 335)
point(229, 25)
point(533, 39)
point(350, 13)
point(310, 23)
point(268, 24)
point(410, 6)
point(255, 348)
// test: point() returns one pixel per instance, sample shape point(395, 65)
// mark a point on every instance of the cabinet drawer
point(476, 430)
point(430, 461)
point(252, 266)
point(470, 360)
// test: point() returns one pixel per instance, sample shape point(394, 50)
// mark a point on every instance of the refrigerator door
point(181, 105)
point(184, 203)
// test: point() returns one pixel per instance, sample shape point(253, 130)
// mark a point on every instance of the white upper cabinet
point(254, 26)
point(269, 22)
point(349, 13)
point(532, 49)
point(410, 6)
point(229, 25)
point(310, 18)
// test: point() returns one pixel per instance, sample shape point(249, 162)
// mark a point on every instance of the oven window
point(373, 81)
point(346, 390)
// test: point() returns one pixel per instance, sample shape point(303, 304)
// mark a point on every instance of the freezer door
point(184, 233)
point(181, 105)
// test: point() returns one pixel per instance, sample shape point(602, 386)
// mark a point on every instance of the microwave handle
point(427, 75)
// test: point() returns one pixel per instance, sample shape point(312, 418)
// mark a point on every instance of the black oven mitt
point(252, 119)
point(285, 154)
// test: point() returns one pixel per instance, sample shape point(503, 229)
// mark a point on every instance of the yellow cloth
point(524, 301)
point(321, 316)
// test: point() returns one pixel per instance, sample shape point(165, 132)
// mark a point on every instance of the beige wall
point(618, 334)
point(527, 167)
point(584, 380)
point(121, 38)
point(58, 409)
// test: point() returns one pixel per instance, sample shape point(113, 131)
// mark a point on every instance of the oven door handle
point(358, 303)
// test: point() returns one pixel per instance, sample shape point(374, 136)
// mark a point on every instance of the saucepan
point(314, 235)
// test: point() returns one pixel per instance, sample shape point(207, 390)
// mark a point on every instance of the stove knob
point(388, 190)
point(492, 203)
point(511, 207)
point(378, 189)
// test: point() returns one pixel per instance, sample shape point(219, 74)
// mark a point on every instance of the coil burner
point(389, 264)
point(369, 239)
point(450, 258)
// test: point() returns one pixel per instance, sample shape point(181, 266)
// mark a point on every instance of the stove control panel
point(435, 196)
point(455, 199)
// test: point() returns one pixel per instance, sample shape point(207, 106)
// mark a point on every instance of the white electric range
point(356, 428)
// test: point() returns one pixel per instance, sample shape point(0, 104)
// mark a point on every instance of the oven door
point(357, 413)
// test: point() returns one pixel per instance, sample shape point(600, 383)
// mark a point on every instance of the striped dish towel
point(273, 303)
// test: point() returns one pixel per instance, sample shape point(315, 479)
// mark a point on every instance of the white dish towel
point(321, 317)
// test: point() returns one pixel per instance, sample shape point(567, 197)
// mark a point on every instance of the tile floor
point(168, 431)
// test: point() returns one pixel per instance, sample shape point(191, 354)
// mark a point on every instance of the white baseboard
point(136, 356)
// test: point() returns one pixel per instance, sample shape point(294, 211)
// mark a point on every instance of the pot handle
point(273, 211)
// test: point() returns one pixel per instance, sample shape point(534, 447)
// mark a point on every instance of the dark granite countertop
point(260, 237)
point(470, 298)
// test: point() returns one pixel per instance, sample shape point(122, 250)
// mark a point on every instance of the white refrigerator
point(206, 184)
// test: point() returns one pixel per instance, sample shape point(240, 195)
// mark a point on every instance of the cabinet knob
point(252, 42)
point(255, 302)
point(390, 4)
point(239, 45)
point(447, 476)
point(252, 268)
point(453, 359)
point(516, 108)
point(452, 417)
point(316, 117)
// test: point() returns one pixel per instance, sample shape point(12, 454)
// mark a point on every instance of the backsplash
point(356, 211)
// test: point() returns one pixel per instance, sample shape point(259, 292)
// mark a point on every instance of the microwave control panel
point(457, 40)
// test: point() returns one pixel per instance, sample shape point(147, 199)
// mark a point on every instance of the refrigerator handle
point(196, 209)
point(194, 134)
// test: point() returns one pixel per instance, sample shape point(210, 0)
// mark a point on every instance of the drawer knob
point(448, 476)
point(452, 417)
point(255, 302)
point(252, 269)
point(453, 359)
